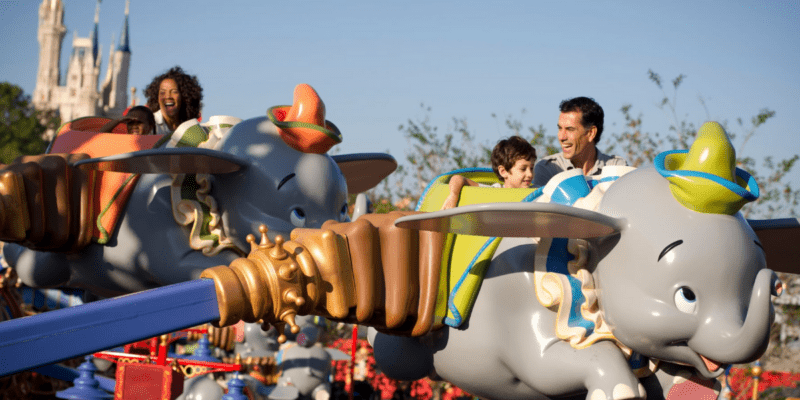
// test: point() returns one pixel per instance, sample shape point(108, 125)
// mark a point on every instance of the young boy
point(139, 121)
point(512, 162)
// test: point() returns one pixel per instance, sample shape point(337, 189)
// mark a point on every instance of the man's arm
point(456, 183)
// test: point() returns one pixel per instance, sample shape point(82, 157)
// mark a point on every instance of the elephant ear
point(178, 160)
point(516, 220)
point(780, 239)
point(364, 171)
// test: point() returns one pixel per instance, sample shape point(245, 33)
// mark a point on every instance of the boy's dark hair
point(140, 114)
point(143, 115)
point(591, 113)
point(507, 151)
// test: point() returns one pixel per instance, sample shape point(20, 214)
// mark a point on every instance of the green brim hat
point(303, 125)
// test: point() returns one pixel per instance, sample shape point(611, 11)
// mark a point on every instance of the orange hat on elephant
point(302, 125)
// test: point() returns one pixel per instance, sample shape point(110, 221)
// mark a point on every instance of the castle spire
point(50, 35)
point(95, 34)
point(123, 37)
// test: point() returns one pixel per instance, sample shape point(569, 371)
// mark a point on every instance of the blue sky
point(374, 63)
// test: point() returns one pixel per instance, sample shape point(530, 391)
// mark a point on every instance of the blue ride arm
point(47, 338)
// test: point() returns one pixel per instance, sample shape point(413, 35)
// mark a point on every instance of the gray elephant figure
point(203, 191)
point(202, 387)
point(257, 342)
point(305, 366)
point(619, 287)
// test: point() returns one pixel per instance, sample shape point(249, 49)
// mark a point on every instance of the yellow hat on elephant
point(705, 178)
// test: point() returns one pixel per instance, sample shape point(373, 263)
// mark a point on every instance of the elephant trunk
point(750, 341)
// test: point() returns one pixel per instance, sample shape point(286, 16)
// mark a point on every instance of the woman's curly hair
point(189, 88)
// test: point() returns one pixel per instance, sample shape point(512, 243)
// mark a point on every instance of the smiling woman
point(175, 97)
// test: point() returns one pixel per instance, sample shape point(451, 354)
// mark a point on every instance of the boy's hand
point(456, 183)
point(451, 201)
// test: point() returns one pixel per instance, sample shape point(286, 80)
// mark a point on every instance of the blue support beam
point(50, 337)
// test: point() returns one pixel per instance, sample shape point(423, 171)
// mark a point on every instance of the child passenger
point(139, 121)
point(512, 162)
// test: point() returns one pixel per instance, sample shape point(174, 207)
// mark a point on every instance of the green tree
point(638, 148)
point(21, 128)
point(545, 144)
point(430, 154)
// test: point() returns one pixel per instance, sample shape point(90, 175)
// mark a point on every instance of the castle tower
point(105, 90)
point(115, 95)
point(80, 97)
point(51, 35)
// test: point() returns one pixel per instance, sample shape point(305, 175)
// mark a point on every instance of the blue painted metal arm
point(50, 337)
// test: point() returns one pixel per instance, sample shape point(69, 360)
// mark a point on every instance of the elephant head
point(282, 187)
point(686, 281)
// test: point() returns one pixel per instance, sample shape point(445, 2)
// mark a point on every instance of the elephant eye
point(343, 213)
point(685, 300)
point(298, 217)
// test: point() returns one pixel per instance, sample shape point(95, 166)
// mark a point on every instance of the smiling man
point(579, 128)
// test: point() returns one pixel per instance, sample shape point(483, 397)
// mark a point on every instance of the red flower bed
point(366, 370)
point(740, 379)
